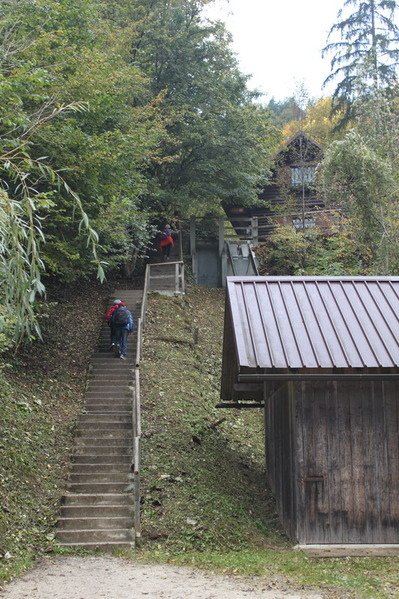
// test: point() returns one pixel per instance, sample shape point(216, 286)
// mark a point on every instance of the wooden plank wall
point(280, 456)
point(229, 357)
point(348, 462)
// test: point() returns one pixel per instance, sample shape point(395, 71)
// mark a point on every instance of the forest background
point(115, 115)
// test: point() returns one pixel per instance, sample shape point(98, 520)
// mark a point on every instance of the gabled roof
point(301, 146)
point(301, 134)
point(314, 322)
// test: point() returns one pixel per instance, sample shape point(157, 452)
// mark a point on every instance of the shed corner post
point(265, 420)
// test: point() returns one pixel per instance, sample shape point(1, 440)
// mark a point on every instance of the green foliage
point(219, 144)
point(366, 55)
point(286, 110)
point(356, 176)
point(312, 252)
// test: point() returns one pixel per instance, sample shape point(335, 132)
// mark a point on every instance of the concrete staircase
point(97, 508)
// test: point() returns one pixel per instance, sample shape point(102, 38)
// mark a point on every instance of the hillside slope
point(41, 394)
point(203, 468)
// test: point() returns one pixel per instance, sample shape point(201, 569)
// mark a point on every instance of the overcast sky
point(279, 42)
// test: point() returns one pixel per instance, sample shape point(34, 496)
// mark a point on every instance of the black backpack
point(120, 317)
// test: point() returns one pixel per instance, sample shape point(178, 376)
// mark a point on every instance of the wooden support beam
point(239, 406)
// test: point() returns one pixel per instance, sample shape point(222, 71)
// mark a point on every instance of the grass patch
point(205, 498)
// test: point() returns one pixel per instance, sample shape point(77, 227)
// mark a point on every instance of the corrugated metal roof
point(315, 322)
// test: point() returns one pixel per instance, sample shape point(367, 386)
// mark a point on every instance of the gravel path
point(116, 578)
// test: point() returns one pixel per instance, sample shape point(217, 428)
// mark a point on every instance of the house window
point(299, 223)
point(302, 174)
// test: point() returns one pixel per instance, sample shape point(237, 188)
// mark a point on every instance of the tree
point(77, 131)
point(317, 122)
point(218, 146)
point(285, 111)
point(366, 56)
point(363, 183)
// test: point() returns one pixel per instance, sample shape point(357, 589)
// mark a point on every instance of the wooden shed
point(321, 357)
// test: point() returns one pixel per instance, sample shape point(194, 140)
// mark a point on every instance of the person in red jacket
point(167, 241)
point(108, 317)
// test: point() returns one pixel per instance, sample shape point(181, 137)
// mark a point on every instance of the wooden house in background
point(290, 197)
point(321, 357)
point(293, 176)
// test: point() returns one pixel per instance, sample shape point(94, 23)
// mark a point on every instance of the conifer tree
point(366, 55)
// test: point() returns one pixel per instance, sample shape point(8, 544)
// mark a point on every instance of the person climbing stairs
point(97, 508)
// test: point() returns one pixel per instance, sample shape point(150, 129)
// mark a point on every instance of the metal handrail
point(136, 455)
point(136, 415)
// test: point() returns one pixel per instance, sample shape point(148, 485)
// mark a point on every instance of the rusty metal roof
point(315, 322)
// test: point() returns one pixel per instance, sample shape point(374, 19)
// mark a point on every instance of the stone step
point(124, 465)
point(103, 441)
point(99, 477)
point(105, 339)
point(126, 375)
point(100, 419)
point(122, 457)
point(109, 386)
point(94, 523)
point(122, 410)
point(109, 403)
point(109, 395)
point(99, 487)
point(97, 511)
point(110, 356)
point(110, 359)
point(100, 468)
point(122, 375)
point(95, 536)
point(89, 427)
point(99, 408)
point(110, 392)
point(115, 366)
point(115, 375)
point(127, 293)
point(125, 378)
point(103, 499)
point(105, 547)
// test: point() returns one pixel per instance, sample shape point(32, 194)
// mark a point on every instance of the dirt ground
point(117, 578)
